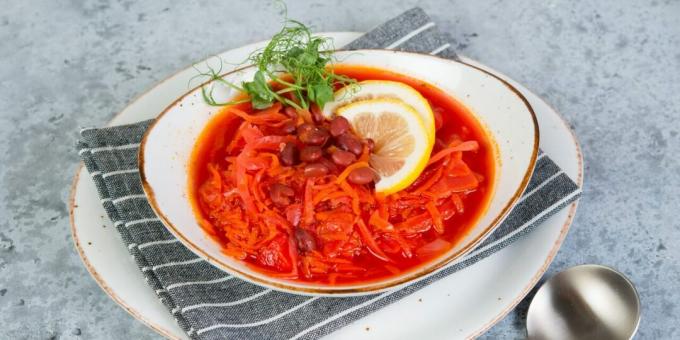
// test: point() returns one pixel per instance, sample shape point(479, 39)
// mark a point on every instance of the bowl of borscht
point(352, 173)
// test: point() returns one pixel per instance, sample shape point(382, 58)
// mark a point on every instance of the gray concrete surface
point(611, 67)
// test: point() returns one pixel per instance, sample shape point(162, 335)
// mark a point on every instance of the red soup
point(270, 188)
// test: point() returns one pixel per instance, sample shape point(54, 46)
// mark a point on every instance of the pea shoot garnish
point(296, 62)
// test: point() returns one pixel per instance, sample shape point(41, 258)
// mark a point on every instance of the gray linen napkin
point(210, 304)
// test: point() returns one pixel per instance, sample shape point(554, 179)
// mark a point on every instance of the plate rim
point(166, 333)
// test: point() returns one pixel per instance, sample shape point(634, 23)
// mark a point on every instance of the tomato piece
point(334, 230)
point(294, 214)
point(276, 254)
point(438, 117)
point(449, 185)
point(433, 248)
point(250, 133)
point(416, 225)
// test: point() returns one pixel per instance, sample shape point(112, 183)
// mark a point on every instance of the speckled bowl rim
point(162, 331)
point(372, 287)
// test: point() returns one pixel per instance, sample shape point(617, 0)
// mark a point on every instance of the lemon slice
point(373, 89)
point(402, 144)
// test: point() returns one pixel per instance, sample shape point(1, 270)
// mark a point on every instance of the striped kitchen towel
point(209, 304)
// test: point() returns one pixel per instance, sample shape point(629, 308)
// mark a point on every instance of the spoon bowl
point(585, 302)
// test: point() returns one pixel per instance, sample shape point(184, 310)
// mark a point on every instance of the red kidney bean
point(344, 158)
point(313, 136)
point(370, 143)
point(339, 125)
point(330, 165)
point(348, 142)
point(311, 153)
point(315, 170)
point(290, 112)
point(288, 154)
point(281, 194)
point(305, 128)
point(361, 176)
point(288, 127)
point(305, 240)
point(316, 114)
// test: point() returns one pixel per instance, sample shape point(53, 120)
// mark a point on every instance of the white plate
point(463, 305)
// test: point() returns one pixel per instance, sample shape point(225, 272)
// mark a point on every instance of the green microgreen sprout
point(296, 61)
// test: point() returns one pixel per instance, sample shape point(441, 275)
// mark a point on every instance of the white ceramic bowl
point(502, 110)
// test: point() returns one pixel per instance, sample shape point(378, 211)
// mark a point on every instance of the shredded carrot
point(320, 187)
point(368, 239)
point(352, 193)
point(379, 222)
point(275, 108)
point(343, 175)
point(269, 116)
point(242, 185)
point(305, 115)
point(308, 211)
point(465, 146)
point(405, 247)
point(365, 154)
point(216, 178)
point(293, 250)
point(434, 179)
point(275, 164)
point(305, 267)
point(383, 208)
point(323, 194)
point(257, 190)
point(238, 136)
point(436, 217)
point(330, 196)
point(458, 203)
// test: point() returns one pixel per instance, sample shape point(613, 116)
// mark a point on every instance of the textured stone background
point(611, 67)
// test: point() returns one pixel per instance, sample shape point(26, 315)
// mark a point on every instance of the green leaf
point(323, 93)
point(261, 94)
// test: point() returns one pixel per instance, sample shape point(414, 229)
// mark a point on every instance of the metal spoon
point(585, 302)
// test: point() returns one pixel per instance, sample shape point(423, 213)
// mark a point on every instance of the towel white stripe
point(143, 220)
point(127, 224)
point(540, 156)
point(226, 304)
point(182, 284)
point(473, 253)
point(410, 35)
point(538, 187)
point(440, 48)
point(109, 148)
point(253, 324)
point(120, 172)
point(95, 173)
point(170, 264)
point(158, 291)
point(153, 243)
point(124, 198)
point(132, 245)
